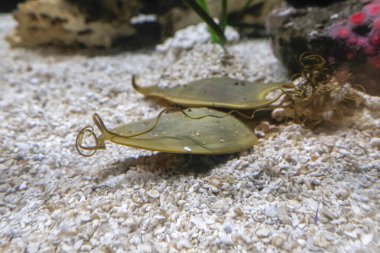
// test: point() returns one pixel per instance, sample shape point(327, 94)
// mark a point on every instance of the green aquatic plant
point(313, 96)
point(216, 30)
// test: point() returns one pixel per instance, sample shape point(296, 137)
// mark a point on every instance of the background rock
point(105, 22)
point(347, 33)
point(94, 23)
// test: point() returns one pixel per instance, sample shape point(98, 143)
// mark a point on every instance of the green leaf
point(222, 92)
point(204, 6)
point(193, 131)
point(204, 15)
point(223, 16)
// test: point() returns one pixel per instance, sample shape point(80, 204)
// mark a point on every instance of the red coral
point(343, 33)
point(360, 34)
point(357, 42)
point(361, 42)
point(373, 9)
point(374, 39)
point(358, 18)
point(376, 24)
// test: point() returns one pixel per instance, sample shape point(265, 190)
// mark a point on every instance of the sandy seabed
point(298, 190)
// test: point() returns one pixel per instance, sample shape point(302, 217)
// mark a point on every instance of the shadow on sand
point(164, 165)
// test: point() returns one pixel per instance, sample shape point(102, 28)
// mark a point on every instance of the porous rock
point(91, 23)
point(346, 33)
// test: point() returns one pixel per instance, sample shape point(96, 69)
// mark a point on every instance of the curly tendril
point(317, 92)
point(89, 131)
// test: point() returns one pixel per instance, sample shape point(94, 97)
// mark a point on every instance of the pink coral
point(373, 9)
point(358, 18)
point(360, 34)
